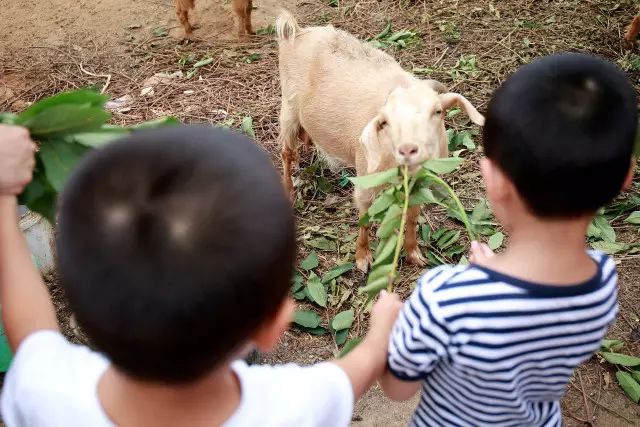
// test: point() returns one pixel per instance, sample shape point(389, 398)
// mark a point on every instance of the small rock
point(147, 91)
point(120, 105)
point(189, 92)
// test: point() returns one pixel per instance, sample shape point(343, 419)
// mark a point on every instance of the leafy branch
point(390, 209)
point(627, 367)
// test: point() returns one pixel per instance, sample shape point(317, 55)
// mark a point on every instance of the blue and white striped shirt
point(491, 349)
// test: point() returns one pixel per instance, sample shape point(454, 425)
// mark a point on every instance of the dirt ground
point(68, 44)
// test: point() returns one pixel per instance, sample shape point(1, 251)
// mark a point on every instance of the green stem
point(463, 213)
point(403, 221)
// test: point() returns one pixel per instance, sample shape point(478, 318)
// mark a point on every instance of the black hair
point(562, 129)
point(174, 245)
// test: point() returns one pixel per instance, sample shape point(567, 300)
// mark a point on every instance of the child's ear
point(268, 334)
point(497, 185)
point(629, 179)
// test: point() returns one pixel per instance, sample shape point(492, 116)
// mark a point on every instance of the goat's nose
point(408, 150)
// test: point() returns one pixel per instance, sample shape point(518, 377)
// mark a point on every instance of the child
point(176, 250)
point(495, 343)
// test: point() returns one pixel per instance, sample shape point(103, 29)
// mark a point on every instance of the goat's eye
point(382, 124)
point(438, 112)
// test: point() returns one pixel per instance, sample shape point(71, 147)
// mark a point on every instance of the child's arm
point(396, 389)
point(25, 302)
point(365, 363)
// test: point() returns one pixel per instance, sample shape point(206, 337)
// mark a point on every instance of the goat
point(241, 8)
point(632, 32)
point(360, 109)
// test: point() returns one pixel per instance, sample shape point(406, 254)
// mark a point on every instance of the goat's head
point(409, 127)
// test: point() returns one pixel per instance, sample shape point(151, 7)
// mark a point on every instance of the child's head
point(174, 247)
point(561, 131)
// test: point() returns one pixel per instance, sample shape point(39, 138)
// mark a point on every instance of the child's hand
point(16, 159)
point(383, 316)
point(480, 253)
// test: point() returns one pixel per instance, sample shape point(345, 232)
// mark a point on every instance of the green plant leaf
point(7, 118)
point(495, 241)
point(341, 336)
point(600, 228)
point(6, 354)
point(380, 271)
point(321, 243)
point(608, 345)
point(385, 249)
point(160, 32)
point(156, 123)
point(442, 166)
point(381, 203)
point(203, 62)
point(336, 272)
point(307, 319)
point(59, 158)
point(390, 176)
point(342, 320)
point(629, 385)
point(375, 286)
point(317, 292)
point(448, 239)
point(636, 375)
point(98, 138)
point(78, 97)
point(388, 228)
point(247, 126)
point(620, 359)
point(609, 247)
point(316, 331)
point(40, 197)
point(481, 211)
point(310, 262)
point(350, 345)
point(634, 218)
point(64, 119)
point(385, 32)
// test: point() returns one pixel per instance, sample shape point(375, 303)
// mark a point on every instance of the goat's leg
point(182, 12)
point(247, 22)
point(240, 10)
point(632, 32)
point(414, 256)
point(288, 139)
point(363, 199)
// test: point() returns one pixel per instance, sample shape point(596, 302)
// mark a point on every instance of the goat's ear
point(371, 142)
point(450, 99)
point(437, 86)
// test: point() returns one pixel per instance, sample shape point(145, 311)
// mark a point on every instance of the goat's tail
point(286, 26)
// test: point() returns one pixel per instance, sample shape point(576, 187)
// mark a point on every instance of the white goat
point(360, 109)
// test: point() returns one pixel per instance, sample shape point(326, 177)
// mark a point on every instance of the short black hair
point(174, 245)
point(562, 129)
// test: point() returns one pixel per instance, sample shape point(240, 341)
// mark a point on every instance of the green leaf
point(300, 295)
point(610, 344)
point(317, 292)
point(7, 118)
point(203, 62)
point(40, 197)
point(389, 227)
point(310, 262)
point(321, 243)
point(481, 211)
point(389, 176)
point(385, 249)
point(307, 319)
point(375, 286)
point(467, 140)
point(350, 345)
point(425, 232)
point(59, 158)
point(600, 228)
point(64, 119)
point(636, 375)
point(423, 196)
point(620, 359)
point(380, 271)
point(247, 126)
point(98, 138)
point(609, 247)
point(342, 320)
point(381, 204)
point(5, 351)
point(316, 331)
point(634, 218)
point(79, 97)
point(448, 239)
point(252, 58)
point(341, 336)
point(385, 32)
point(156, 123)
point(336, 272)
point(442, 166)
point(629, 385)
point(495, 241)
point(160, 32)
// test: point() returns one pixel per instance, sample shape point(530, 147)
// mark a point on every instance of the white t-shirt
point(53, 383)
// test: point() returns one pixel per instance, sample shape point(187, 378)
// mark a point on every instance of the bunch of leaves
point(466, 66)
point(398, 39)
point(65, 127)
point(266, 31)
point(627, 367)
point(390, 208)
point(459, 140)
point(196, 66)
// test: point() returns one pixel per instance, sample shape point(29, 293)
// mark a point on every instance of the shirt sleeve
point(420, 337)
point(335, 408)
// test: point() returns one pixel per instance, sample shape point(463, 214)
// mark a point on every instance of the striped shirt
point(491, 349)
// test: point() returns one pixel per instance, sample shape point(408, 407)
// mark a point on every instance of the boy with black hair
point(176, 250)
point(495, 342)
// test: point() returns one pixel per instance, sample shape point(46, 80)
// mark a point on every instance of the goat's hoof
point(415, 257)
point(364, 261)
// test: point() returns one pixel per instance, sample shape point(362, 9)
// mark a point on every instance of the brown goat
point(241, 8)
point(632, 33)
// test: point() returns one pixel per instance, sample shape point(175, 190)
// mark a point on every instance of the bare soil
point(68, 44)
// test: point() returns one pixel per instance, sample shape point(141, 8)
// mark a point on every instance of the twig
point(606, 408)
point(405, 208)
point(586, 403)
point(108, 77)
